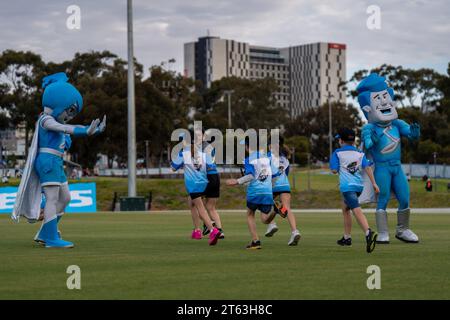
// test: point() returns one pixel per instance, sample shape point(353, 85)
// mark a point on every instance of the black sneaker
point(371, 241)
point(344, 242)
point(206, 231)
point(222, 235)
point(254, 245)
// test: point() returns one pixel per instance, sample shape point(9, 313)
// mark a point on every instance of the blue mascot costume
point(381, 137)
point(44, 168)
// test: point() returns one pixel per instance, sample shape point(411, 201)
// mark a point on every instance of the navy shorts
point(277, 193)
point(195, 195)
point(351, 199)
point(213, 188)
point(264, 208)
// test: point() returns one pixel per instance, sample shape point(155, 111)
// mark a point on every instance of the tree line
point(165, 100)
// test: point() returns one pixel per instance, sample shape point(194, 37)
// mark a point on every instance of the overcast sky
point(414, 33)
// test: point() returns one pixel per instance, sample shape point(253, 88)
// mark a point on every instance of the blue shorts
point(351, 199)
point(49, 169)
point(264, 208)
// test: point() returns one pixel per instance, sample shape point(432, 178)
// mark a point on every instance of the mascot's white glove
point(102, 126)
point(95, 127)
point(92, 129)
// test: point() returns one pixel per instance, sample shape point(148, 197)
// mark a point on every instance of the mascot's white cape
point(368, 194)
point(28, 199)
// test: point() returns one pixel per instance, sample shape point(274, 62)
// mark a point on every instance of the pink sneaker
point(196, 234)
point(214, 236)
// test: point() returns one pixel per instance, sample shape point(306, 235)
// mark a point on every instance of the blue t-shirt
point(280, 182)
point(349, 161)
point(195, 169)
point(259, 190)
point(211, 158)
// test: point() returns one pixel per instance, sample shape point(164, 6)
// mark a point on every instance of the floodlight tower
point(131, 106)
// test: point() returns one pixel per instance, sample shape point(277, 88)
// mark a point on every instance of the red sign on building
point(336, 46)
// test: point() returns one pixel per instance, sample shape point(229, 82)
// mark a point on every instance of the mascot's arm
point(369, 136)
point(412, 132)
point(67, 142)
point(49, 123)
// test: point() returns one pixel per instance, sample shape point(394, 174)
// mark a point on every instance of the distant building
point(12, 142)
point(268, 62)
point(306, 74)
point(212, 58)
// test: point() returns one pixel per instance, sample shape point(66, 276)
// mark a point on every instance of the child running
point(195, 164)
point(212, 192)
point(282, 189)
point(258, 173)
point(348, 161)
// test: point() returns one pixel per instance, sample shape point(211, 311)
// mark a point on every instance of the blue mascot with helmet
point(44, 171)
point(381, 137)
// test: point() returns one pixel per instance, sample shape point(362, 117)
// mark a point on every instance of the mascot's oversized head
point(60, 99)
point(376, 99)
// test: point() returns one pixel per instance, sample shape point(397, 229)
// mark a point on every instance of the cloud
point(413, 33)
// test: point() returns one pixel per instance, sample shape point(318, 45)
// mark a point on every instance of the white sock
point(347, 236)
point(367, 232)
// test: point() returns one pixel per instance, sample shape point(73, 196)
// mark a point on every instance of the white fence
point(415, 170)
point(431, 170)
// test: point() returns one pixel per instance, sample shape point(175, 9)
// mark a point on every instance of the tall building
point(316, 71)
point(212, 58)
point(268, 62)
point(308, 75)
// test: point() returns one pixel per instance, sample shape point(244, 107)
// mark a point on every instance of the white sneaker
point(383, 238)
point(271, 229)
point(295, 237)
point(407, 236)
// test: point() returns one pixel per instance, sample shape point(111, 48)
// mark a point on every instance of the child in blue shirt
point(281, 188)
point(212, 191)
point(195, 164)
point(348, 162)
point(258, 174)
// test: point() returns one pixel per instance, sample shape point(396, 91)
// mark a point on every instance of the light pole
point(435, 182)
point(330, 127)
point(131, 106)
point(228, 93)
point(146, 158)
point(293, 164)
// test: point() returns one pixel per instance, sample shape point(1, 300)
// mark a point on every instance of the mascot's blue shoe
point(49, 235)
point(38, 237)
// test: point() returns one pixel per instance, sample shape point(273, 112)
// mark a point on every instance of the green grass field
point(150, 256)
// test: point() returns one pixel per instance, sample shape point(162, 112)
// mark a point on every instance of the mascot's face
point(68, 114)
point(382, 108)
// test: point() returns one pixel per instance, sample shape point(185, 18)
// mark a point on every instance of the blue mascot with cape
point(381, 138)
point(44, 171)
